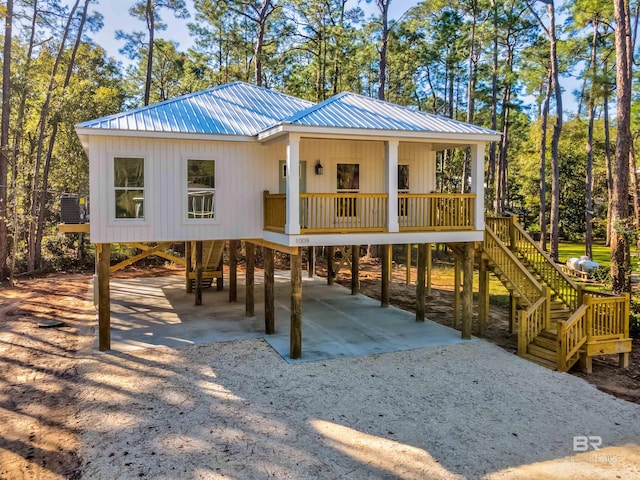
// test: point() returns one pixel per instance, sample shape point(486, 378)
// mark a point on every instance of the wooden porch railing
point(435, 211)
point(608, 317)
point(532, 321)
point(367, 212)
point(343, 212)
point(275, 211)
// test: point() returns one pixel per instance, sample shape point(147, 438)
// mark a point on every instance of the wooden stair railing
point(597, 323)
point(550, 272)
point(533, 321)
point(538, 261)
point(572, 335)
point(521, 281)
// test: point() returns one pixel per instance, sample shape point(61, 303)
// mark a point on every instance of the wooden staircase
point(211, 261)
point(558, 322)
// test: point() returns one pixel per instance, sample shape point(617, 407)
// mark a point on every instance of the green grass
point(601, 253)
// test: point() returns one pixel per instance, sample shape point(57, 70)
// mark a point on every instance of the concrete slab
point(156, 311)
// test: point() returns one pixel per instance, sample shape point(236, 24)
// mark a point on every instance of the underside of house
point(242, 163)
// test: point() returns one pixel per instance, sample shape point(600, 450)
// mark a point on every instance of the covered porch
point(369, 185)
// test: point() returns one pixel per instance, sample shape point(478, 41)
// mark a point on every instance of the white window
point(201, 189)
point(129, 187)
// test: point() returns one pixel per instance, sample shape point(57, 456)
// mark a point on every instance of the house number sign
point(302, 240)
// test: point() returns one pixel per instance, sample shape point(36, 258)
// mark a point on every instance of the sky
point(116, 17)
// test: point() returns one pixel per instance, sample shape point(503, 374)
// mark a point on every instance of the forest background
point(496, 63)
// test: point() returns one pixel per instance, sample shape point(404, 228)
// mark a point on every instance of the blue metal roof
point(240, 108)
point(349, 110)
point(236, 108)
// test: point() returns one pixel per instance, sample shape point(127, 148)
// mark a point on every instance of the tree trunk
point(557, 131)
point(588, 202)
point(491, 170)
point(543, 165)
point(34, 255)
point(633, 177)
point(151, 27)
point(4, 137)
point(470, 99)
point(607, 154)
point(620, 234)
point(54, 133)
point(383, 5)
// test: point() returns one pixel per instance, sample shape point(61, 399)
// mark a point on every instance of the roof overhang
point(377, 134)
point(84, 133)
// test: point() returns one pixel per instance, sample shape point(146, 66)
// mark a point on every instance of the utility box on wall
point(74, 209)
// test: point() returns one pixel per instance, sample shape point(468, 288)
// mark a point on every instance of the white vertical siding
point(243, 172)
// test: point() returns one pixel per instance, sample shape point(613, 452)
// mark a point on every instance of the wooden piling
point(483, 297)
point(269, 292)
point(456, 291)
point(250, 253)
point(198, 299)
point(467, 289)
point(103, 252)
point(355, 269)
point(311, 264)
point(233, 271)
point(220, 279)
point(420, 282)
point(188, 253)
point(386, 275)
point(429, 265)
point(330, 273)
point(295, 341)
point(408, 272)
point(513, 311)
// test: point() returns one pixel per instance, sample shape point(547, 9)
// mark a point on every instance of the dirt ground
point(39, 367)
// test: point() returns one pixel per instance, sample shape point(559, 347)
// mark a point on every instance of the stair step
point(548, 343)
point(540, 361)
point(542, 352)
point(549, 334)
point(561, 314)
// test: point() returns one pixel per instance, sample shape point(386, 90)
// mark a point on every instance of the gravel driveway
point(237, 410)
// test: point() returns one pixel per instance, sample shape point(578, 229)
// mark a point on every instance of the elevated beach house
point(241, 162)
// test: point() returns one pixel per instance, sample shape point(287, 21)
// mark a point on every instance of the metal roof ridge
point(421, 112)
point(313, 108)
point(145, 108)
point(270, 90)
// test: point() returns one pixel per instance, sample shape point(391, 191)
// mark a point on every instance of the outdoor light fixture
point(319, 169)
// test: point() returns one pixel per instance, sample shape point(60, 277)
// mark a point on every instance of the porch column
point(391, 163)
point(103, 257)
point(292, 227)
point(477, 183)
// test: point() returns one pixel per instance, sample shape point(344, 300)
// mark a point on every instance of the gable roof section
point(236, 108)
point(353, 111)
